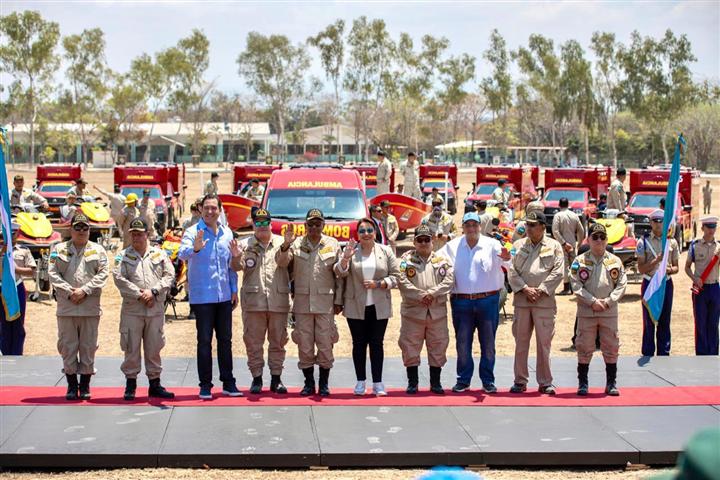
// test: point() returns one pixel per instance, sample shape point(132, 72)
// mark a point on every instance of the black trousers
point(368, 332)
point(215, 317)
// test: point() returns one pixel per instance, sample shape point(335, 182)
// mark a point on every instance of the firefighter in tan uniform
point(146, 206)
point(441, 225)
point(128, 214)
point(390, 224)
point(521, 227)
point(265, 301)
point(317, 297)
point(20, 195)
point(617, 199)
point(598, 281)
point(78, 272)
point(144, 275)
point(569, 231)
point(384, 173)
point(534, 275)
point(426, 278)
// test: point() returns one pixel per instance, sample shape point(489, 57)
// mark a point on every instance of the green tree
point(455, 73)
point(607, 81)
point(497, 87)
point(27, 52)
point(126, 107)
point(701, 126)
point(576, 87)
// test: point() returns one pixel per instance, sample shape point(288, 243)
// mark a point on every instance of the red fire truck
point(581, 186)
point(54, 181)
point(521, 178)
point(368, 171)
point(433, 176)
point(243, 173)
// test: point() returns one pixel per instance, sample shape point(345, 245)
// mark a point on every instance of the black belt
point(473, 296)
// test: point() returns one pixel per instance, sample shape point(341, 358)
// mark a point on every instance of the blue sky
point(132, 28)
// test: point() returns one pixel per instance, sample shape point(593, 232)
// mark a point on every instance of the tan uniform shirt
point(598, 279)
point(650, 247)
point(87, 269)
point(501, 195)
point(117, 202)
point(616, 196)
point(418, 277)
point(23, 258)
point(538, 266)
point(316, 287)
point(411, 176)
point(255, 193)
point(392, 229)
point(210, 188)
point(147, 213)
point(74, 190)
point(443, 224)
point(702, 253)
point(567, 228)
point(383, 176)
point(707, 193)
point(26, 196)
point(486, 225)
point(265, 286)
point(134, 272)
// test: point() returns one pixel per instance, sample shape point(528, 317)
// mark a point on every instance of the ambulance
point(54, 181)
point(521, 178)
point(581, 186)
point(243, 173)
point(442, 177)
point(368, 171)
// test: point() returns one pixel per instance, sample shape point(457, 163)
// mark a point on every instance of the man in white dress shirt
point(478, 262)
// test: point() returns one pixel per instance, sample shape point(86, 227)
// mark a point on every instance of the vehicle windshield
point(54, 188)
point(154, 192)
point(370, 191)
point(572, 195)
point(640, 200)
point(336, 204)
point(485, 189)
point(439, 184)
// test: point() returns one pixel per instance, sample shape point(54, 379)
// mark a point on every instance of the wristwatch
point(155, 292)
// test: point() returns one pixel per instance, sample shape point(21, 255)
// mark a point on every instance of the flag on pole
point(655, 292)
point(10, 302)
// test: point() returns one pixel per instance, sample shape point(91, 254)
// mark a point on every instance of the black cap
point(380, 153)
point(536, 217)
point(261, 213)
point(423, 231)
point(138, 225)
point(79, 219)
point(314, 213)
point(597, 228)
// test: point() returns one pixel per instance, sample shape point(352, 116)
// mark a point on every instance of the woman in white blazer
point(370, 271)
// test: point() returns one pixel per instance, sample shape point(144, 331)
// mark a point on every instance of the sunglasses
point(81, 228)
point(711, 225)
point(262, 223)
point(423, 240)
point(598, 236)
point(363, 231)
point(315, 225)
point(657, 220)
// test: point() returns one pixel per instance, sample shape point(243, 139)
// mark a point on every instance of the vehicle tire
point(34, 297)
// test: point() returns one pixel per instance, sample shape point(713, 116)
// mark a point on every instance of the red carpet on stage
point(566, 397)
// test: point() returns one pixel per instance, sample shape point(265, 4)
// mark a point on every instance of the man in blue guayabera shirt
point(212, 288)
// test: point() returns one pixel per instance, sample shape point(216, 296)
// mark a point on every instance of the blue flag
point(655, 292)
point(10, 300)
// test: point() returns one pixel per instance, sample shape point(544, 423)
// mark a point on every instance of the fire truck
point(442, 177)
point(521, 178)
point(649, 186)
point(245, 172)
point(581, 186)
point(368, 171)
point(54, 181)
point(338, 192)
point(166, 183)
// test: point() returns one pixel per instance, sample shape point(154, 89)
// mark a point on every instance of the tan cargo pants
point(255, 326)
point(435, 335)
point(542, 320)
point(77, 344)
point(311, 330)
point(137, 329)
point(587, 331)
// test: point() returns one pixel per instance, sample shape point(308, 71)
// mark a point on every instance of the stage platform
point(664, 401)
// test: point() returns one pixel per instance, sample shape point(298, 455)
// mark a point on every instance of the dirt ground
point(181, 341)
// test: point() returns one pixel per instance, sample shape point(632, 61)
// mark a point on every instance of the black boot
point(85, 387)
point(256, 386)
point(611, 372)
point(130, 387)
point(566, 289)
point(72, 390)
point(158, 391)
point(276, 385)
point(435, 386)
point(309, 387)
point(412, 374)
point(323, 389)
point(582, 370)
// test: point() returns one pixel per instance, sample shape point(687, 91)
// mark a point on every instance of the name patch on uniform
point(90, 252)
point(249, 263)
point(584, 274)
point(326, 250)
point(410, 272)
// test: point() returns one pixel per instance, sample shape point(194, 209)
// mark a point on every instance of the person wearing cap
point(264, 299)
point(411, 176)
point(146, 206)
point(617, 199)
point(67, 211)
point(649, 253)
point(12, 332)
point(20, 195)
point(435, 198)
point(502, 193)
point(705, 254)
point(426, 278)
point(475, 299)
point(520, 227)
point(370, 270)
point(486, 226)
point(384, 172)
point(144, 275)
point(211, 186)
point(79, 188)
point(569, 231)
point(256, 191)
point(117, 203)
point(390, 224)
point(78, 271)
point(129, 213)
point(598, 281)
point(317, 297)
point(536, 270)
point(212, 291)
point(707, 197)
point(441, 224)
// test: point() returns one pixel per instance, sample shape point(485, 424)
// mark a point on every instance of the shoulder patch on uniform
point(410, 272)
point(615, 273)
point(90, 252)
point(575, 266)
point(584, 274)
point(118, 257)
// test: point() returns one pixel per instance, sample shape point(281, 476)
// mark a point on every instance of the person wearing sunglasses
point(78, 271)
point(535, 273)
point(598, 280)
point(370, 270)
point(441, 224)
point(705, 255)
point(426, 278)
point(264, 299)
point(317, 297)
point(649, 257)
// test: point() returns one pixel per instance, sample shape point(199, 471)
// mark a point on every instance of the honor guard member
point(569, 231)
point(211, 187)
point(265, 301)
point(705, 254)
point(20, 195)
point(384, 172)
point(78, 272)
point(426, 278)
point(144, 275)
point(255, 192)
point(649, 255)
point(129, 213)
point(616, 196)
point(390, 224)
point(411, 177)
point(441, 225)
point(12, 332)
point(317, 297)
point(535, 273)
point(598, 281)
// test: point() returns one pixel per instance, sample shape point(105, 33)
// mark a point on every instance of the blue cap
point(471, 217)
